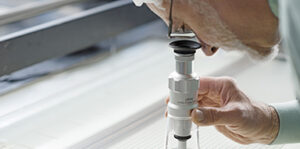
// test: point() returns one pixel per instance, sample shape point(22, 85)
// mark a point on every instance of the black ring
point(182, 138)
point(185, 46)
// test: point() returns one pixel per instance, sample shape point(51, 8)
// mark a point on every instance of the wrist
point(275, 124)
point(269, 122)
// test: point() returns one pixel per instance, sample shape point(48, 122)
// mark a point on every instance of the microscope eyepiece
point(185, 46)
point(183, 86)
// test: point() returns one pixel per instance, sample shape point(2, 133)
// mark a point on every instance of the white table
point(112, 97)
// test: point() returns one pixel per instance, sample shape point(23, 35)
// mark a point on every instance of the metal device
point(183, 85)
point(181, 32)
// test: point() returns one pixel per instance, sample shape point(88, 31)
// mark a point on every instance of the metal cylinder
point(181, 144)
point(183, 85)
point(184, 64)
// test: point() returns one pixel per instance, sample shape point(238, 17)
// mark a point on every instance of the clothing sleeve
point(289, 112)
point(274, 6)
point(289, 117)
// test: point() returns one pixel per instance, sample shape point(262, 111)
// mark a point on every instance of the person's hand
point(247, 25)
point(224, 106)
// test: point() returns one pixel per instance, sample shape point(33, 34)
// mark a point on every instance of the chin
point(261, 58)
point(253, 54)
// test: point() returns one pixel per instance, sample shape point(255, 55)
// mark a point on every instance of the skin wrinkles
point(254, 29)
point(252, 23)
point(219, 35)
point(214, 28)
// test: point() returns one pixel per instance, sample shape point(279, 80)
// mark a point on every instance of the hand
point(247, 25)
point(223, 105)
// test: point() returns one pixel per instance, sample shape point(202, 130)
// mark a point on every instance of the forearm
point(275, 124)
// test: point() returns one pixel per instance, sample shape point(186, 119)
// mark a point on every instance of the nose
point(209, 50)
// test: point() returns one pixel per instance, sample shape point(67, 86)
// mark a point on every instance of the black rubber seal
point(185, 46)
point(182, 138)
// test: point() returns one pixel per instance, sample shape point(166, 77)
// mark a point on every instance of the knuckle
point(229, 81)
point(210, 117)
point(239, 113)
point(214, 116)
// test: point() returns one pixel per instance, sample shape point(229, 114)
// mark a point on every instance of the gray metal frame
point(63, 36)
point(32, 9)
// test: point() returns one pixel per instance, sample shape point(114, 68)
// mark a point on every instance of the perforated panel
point(153, 136)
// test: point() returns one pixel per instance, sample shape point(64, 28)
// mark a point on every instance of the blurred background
point(93, 74)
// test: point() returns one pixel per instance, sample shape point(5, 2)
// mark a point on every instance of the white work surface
point(116, 101)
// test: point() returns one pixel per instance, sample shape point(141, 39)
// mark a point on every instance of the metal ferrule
point(184, 64)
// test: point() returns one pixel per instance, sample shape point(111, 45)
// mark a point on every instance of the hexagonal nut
point(185, 86)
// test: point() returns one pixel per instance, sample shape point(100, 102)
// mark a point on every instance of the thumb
point(206, 116)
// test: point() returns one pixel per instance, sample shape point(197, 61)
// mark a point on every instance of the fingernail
point(199, 115)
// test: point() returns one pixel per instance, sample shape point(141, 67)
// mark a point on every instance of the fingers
point(204, 101)
point(166, 113)
point(220, 90)
point(205, 116)
point(213, 84)
point(167, 100)
point(207, 85)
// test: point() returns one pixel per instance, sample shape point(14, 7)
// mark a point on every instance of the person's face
point(247, 25)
